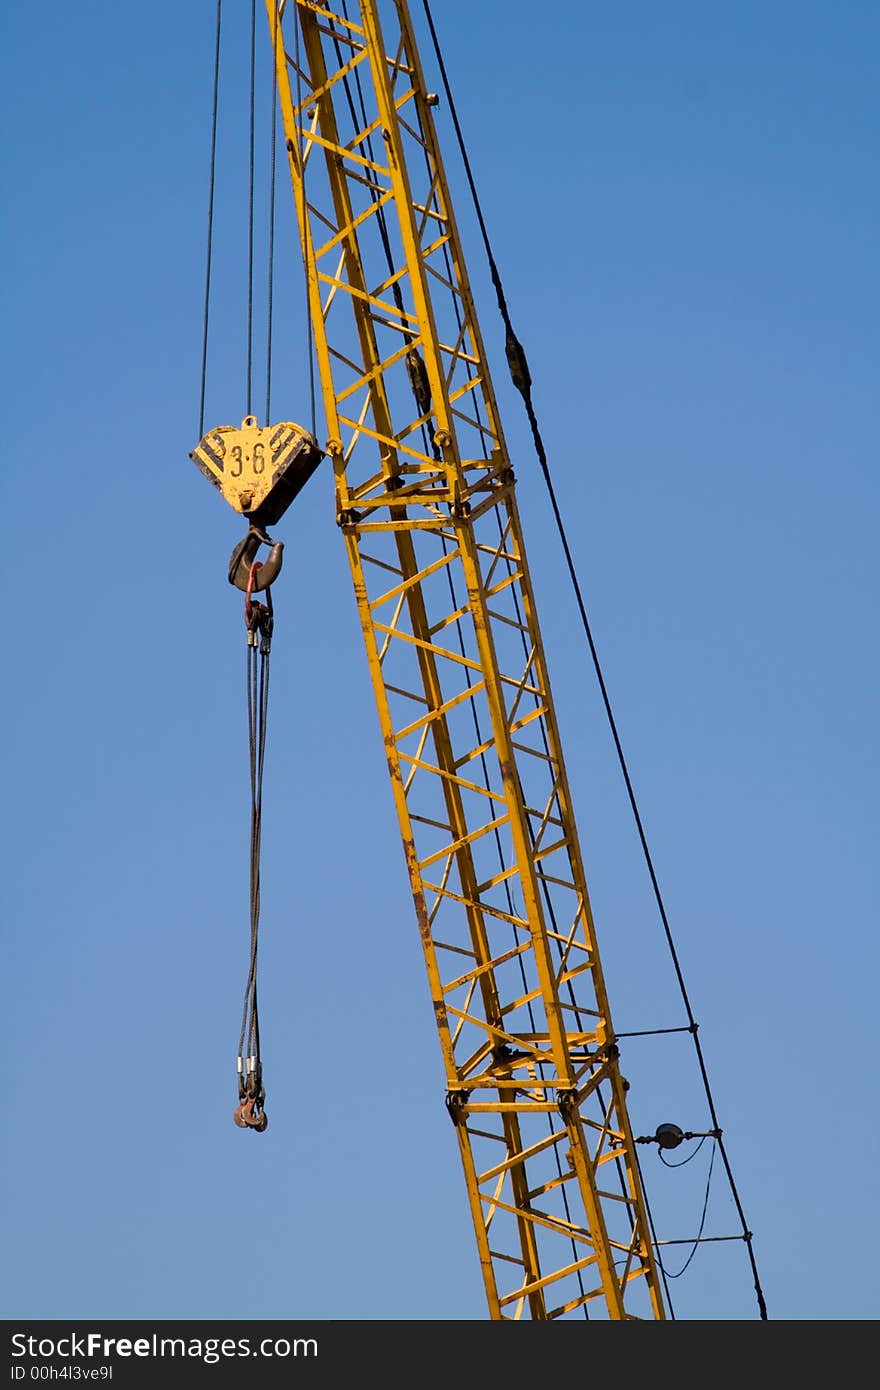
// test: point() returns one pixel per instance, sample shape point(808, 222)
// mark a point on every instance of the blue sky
point(683, 202)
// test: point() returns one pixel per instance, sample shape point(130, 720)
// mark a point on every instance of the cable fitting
point(668, 1136)
point(418, 380)
point(249, 1113)
point(455, 1104)
point(568, 1104)
point(516, 361)
point(258, 617)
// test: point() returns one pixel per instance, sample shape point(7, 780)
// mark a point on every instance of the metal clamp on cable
point(249, 1113)
point(258, 617)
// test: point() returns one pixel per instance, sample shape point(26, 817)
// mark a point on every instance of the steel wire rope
point(540, 1066)
point(373, 191)
point(270, 288)
point(250, 270)
point(257, 679)
point(545, 892)
point(210, 237)
point(305, 234)
point(522, 381)
point(508, 562)
point(431, 447)
point(698, 1237)
point(248, 1008)
point(257, 691)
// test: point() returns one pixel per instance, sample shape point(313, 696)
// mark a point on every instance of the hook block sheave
point(258, 469)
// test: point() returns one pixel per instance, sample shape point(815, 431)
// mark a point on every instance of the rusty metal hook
point(243, 1115)
point(242, 561)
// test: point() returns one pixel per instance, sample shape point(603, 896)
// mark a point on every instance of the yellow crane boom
point(426, 500)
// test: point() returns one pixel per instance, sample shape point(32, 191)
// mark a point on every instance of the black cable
point(210, 220)
point(374, 193)
point(257, 681)
point(681, 1271)
point(271, 284)
point(430, 446)
point(304, 223)
point(653, 1229)
point(691, 1155)
point(250, 293)
point(522, 381)
point(545, 891)
point(252, 703)
point(653, 1032)
point(263, 710)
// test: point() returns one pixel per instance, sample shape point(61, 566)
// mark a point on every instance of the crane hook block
point(258, 469)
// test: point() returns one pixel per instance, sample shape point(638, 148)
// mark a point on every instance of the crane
point(426, 503)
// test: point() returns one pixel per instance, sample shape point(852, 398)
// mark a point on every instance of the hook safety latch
point(241, 562)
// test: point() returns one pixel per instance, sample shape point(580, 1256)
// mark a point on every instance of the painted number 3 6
point(259, 459)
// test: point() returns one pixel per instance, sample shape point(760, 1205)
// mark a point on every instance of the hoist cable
point(471, 371)
point(251, 681)
point(259, 621)
point(272, 161)
point(305, 230)
point(373, 190)
point(545, 892)
point(257, 711)
point(522, 380)
point(250, 279)
point(431, 447)
point(211, 180)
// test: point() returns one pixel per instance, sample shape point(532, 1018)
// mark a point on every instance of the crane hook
point(243, 1115)
point(242, 559)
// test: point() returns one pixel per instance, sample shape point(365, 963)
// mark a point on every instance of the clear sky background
point(683, 200)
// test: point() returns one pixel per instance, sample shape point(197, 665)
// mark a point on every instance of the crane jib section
point(425, 498)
